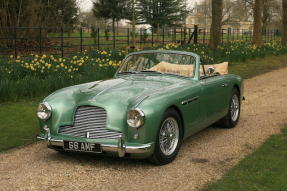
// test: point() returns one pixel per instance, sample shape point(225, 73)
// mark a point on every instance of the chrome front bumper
point(121, 148)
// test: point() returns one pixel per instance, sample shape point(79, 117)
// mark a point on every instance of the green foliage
point(160, 13)
point(109, 9)
point(265, 169)
point(35, 75)
point(61, 13)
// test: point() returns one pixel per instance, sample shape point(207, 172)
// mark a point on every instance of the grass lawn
point(258, 66)
point(19, 126)
point(265, 169)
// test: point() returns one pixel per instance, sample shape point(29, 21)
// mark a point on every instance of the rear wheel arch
point(227, 121)
point(236, 86)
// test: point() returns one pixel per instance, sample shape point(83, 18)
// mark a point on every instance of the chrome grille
point(89, 120)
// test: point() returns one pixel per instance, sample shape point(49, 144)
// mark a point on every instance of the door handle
point(224, 85)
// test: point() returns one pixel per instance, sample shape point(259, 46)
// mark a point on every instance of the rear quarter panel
point(233, 81)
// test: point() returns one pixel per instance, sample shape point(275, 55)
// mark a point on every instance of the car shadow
point(113, 161)
point(95, 159)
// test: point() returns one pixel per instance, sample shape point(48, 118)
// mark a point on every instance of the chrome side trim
point(189, 100)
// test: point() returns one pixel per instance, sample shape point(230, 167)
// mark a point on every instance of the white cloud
point(85, 5)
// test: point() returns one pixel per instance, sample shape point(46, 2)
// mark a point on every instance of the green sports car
point(156, 99)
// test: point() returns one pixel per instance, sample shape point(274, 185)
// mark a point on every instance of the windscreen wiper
point(127, 72)
point(174, 74)
point(151, 71)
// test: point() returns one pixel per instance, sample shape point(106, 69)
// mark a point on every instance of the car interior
point(187, 70)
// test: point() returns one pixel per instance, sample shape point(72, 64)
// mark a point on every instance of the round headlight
point(135, 118)
point(44, 111)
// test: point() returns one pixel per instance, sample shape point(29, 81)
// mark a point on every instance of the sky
point(86, 5)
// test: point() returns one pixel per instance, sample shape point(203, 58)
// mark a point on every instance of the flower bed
point(36, 75)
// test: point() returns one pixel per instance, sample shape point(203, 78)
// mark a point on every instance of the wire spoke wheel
point(169, 136)
point(234, 107)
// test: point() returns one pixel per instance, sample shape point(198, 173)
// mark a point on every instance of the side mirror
point(210, 70)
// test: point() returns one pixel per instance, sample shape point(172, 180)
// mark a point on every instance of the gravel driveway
point(204, 157)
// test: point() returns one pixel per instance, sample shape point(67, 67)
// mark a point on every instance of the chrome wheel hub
point(234, 107)
point(168, 136)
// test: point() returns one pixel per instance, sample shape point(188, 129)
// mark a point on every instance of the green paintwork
point(153, 94)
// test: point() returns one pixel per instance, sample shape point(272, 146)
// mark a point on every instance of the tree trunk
point(266, 16)
point(133, 24)
point(215, 29)
point(257, 26)
point(284, 39)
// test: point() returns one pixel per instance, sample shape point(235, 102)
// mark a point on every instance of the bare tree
point(271, 11)
point(233, 12)
point(31, 14)
point(215, 30)
point(227, 11)
point(257, 26)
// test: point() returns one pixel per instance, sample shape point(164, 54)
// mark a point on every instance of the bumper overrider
point(120, 148)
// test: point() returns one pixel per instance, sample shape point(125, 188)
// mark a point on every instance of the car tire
point(233, 115)
point(169, 134)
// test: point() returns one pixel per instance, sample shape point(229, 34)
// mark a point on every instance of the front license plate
point(82, 146)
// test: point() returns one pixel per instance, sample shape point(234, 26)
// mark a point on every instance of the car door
point(214, 95)
point(190, 107)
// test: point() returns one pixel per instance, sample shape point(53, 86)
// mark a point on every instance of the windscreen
point(170, 63)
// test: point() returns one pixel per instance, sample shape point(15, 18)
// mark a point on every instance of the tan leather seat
point(221, 68)
point(183, 70)
point(187, 70)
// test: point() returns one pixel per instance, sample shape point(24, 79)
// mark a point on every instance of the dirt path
point(203, 157)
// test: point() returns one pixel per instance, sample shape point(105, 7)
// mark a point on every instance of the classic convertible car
point(155, 100)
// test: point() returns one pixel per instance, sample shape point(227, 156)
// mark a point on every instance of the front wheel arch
point(174, 107)
point(158, 157)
